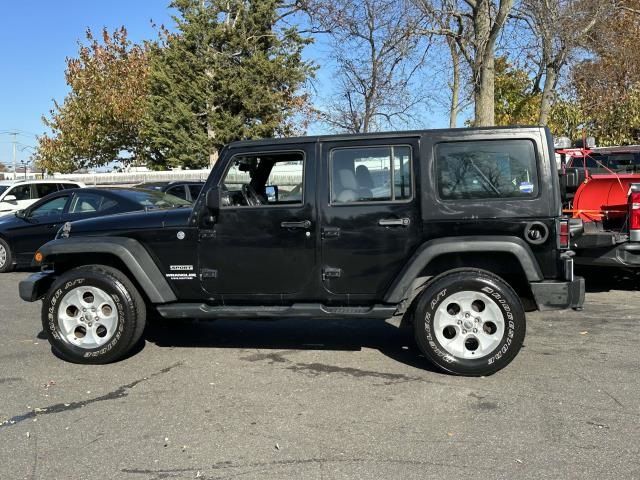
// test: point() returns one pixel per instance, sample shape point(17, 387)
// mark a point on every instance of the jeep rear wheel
point(469, 322)
point(93, 314)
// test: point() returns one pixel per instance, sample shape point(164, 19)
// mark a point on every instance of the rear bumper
point(559, 295)
point(35, 286)
point(623, 255)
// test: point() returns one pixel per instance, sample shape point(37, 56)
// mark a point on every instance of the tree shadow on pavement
point(291, 334)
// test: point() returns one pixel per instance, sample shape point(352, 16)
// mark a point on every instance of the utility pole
point(15, 172)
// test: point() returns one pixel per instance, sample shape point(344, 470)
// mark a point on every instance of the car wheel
point(6, 258)
point(469, 322)
point(93, 314)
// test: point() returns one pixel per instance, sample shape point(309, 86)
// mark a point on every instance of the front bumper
point(35, 286)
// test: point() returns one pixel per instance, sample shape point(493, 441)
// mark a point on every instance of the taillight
point(563, 234)
point(634, 213)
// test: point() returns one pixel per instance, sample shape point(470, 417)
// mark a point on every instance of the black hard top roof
point(356, 136)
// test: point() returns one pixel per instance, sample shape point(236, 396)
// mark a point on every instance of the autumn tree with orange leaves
point(101, 116)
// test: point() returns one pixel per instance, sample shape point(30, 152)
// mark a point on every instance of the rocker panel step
point(300, 310)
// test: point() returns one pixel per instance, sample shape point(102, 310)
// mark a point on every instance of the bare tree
point(474, 25)
point(375, 48)
point(560, 28)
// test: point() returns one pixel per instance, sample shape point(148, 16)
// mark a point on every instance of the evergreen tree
point(229, 73)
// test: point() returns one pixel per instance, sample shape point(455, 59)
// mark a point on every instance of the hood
point(131, 221)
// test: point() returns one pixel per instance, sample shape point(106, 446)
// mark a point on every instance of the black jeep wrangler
point(457, 231)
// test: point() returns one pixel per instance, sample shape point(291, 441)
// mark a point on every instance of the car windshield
point(3, 188)
point(151, 199)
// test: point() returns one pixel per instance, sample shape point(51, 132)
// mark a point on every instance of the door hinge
point(208, 273)
point(330, 232)
point(330, 272)
point(207, 234)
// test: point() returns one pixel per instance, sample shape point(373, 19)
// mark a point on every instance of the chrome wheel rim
point(87, 317)
point(469, 325)
point(3, 256)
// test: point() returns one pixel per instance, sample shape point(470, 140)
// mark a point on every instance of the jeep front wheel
point(93, 314)
point(469, 322)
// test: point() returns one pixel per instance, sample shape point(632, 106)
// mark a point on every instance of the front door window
point(265, 179)
point(51, 210)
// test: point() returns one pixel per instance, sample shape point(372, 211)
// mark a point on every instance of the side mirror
point(10, 198)
point(21, 214)
point(213, 201)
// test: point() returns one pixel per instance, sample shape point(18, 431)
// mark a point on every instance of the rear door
point(370, 223)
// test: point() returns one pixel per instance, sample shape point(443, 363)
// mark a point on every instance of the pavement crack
point(600, 388)
point(243, 469)
point(119, 392)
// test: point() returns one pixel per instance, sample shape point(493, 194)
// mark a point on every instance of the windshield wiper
point(484, 177)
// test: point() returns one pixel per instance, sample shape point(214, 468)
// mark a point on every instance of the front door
point(263, 242)
point(370, 222)
point(40, 225)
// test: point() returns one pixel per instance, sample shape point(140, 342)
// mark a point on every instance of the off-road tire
point(7, 264)
point(446, 302)
point(129, 305)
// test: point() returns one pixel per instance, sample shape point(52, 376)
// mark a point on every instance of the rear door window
point(486, 169)
point(85, 203)
point(44, 189)
point(371, 174)
point(178, 191)
point(194, 190)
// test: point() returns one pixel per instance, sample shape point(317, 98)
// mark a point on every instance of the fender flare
point(129, 251)
point(434, 248)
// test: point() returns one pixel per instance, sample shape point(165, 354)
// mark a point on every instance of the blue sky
point(37, 35)
point(35, 38)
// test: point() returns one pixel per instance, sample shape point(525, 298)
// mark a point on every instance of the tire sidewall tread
point(8, 265)
point(441, 288)
point(129, 303)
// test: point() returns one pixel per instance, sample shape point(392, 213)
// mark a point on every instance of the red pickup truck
point(601, 194)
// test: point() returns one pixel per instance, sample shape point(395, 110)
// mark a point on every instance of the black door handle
point(52, 226)
point(394, 222)
point(300, 224)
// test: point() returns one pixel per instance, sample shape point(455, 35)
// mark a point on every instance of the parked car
point(465, 238)
point(18, 195)
point(23, 232)
point(185, 189)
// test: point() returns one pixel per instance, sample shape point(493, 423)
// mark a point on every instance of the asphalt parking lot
point(324, 400)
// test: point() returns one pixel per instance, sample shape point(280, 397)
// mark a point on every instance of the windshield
point(3, 188)
point(152, 199)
